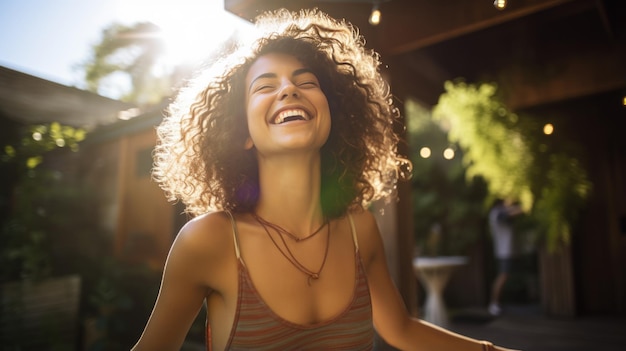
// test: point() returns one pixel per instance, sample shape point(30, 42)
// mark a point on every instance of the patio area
point(526, 328)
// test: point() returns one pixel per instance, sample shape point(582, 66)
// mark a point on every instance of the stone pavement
point(526, 328)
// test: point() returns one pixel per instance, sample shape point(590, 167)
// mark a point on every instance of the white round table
point(435, 272)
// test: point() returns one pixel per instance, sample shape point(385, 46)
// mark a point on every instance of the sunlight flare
point(191, 29)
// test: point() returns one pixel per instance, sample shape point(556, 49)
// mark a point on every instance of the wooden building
point(117, 162)
point(556, 58)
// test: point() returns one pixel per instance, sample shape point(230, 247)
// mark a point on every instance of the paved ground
point(526, 328)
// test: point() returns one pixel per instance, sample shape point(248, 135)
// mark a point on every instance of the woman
point(277, 157)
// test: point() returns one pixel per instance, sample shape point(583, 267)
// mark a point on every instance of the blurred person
point(501, 217)
point(277, 155)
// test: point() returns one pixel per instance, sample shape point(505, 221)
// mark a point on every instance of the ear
point(249, 144)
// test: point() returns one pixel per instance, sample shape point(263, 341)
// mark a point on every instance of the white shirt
point(501, 232)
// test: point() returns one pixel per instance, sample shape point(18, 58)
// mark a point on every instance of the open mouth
point(291, 115)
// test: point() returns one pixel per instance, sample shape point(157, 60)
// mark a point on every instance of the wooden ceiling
point(540, 52)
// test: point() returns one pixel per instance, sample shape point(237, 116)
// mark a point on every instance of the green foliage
point(508, 153)
point(566, 188)
point(119, 301)
point(493, 147)
point(447, 209)
point(33, 200)
point(38, 140)
point(132, 52)
point(51, 228)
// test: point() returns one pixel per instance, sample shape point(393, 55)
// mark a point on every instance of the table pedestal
point(435, 273)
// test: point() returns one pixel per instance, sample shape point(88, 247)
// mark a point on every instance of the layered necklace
point(282, 232)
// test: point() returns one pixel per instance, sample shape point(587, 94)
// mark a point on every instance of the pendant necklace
point(284, 231)
point(290, 256)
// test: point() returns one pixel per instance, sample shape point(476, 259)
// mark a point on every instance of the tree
point(509, 153)
point(129, 54)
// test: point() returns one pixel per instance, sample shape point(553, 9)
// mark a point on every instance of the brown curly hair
point(200, 156)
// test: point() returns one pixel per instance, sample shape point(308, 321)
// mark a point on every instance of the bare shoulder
point(204, 243)
point(207, 231)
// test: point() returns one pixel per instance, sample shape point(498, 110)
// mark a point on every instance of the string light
point(499, 4)
point(548, 129)
point(375, 15)
point(448, 153)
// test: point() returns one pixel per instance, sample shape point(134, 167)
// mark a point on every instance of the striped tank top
point(257, 327)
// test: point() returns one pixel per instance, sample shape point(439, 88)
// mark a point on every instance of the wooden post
point(557, 282)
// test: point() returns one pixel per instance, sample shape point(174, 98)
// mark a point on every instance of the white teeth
point(291, 113)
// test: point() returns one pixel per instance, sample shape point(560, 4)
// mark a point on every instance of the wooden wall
point(133, 209)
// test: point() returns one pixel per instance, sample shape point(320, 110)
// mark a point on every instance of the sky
point(50, 38)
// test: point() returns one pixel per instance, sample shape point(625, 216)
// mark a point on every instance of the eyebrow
point(298, 72)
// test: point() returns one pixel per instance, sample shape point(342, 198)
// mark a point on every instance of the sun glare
point(191, 29)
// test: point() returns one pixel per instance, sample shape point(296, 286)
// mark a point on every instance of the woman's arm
point(183, 287)
point(391, 318)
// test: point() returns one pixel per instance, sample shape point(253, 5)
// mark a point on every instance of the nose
point(288, 90)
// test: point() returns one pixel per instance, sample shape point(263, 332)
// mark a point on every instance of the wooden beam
point(355, 12)
point(420, 23)
point(575, 76)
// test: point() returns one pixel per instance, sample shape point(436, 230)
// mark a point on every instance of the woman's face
point(285, 106)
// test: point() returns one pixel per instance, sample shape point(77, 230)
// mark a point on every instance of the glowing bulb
point(375, 16)
point(448, 153)
point(624, 101)
point(548, 129)
point(499, 4)
point(425, 152)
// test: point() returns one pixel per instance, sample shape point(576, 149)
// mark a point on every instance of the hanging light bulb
point(448, 153)
point(375, 15)
point(499, 4)
point(548, 129)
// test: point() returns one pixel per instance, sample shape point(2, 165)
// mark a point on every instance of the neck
point(290, 192)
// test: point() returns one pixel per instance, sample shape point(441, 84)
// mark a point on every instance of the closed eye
point(309, 84)
point(263, 88)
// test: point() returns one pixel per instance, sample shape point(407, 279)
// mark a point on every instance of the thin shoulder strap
point(354, 238)
point(235, 234)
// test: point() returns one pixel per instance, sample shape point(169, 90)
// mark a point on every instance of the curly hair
point(200, 156)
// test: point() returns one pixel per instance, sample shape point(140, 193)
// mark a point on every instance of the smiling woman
point(277, 152)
